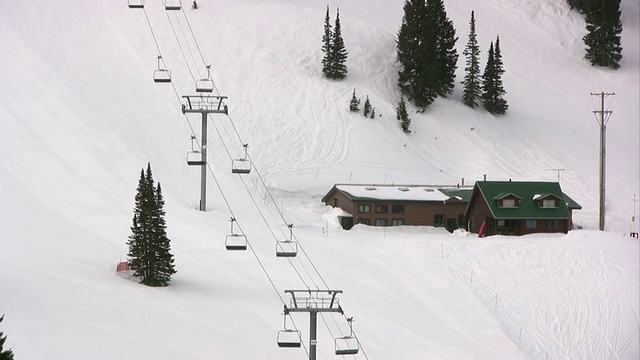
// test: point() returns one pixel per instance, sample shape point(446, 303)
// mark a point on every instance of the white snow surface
point(411, 193)
point(80, 117)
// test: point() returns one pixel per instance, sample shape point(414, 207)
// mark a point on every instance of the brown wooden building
point(394, 205)
point(519, 208)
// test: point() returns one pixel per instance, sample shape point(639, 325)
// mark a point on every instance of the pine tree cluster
point(150, 255)
point(492, 89)
point(368, 110)
point(403, 116)
point(335, 54)
point(4, 354)
point(354, 104)
point(604, 29)
point(426, 52)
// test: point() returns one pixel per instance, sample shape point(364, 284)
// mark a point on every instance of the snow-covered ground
point(80, 116)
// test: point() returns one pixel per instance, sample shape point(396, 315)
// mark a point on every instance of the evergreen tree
point(164, 268)
point(500, 102)
point(327, 46)
point(4, 354)
point(367, 107)
point(355, 102)
point(580, 5)
point(426, 52)
point(604, 30)
point(149, 247)
point(373, 113)
point(338, 52)
point(446, 53)
point(402, 115)
point(472, 85)
point(492, 89)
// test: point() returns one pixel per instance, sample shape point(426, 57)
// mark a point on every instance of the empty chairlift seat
point(194, 157)
point(136, 4)
point(289, 338)
point(206, 84)
point(161, 74)
point(347, 345)
point(288, 247)
point(172, 4)
point(241, 165)
point(235, 241)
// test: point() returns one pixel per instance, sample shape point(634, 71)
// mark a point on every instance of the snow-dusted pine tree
point(149, 247)
point(338, 52)
point(471, 83)
point(367, 107)
point(4, 354)
point(326, 46)
point(402, 115)
point(354, 104)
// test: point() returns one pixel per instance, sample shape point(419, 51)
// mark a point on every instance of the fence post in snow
point(350, 175)
point(317, 170)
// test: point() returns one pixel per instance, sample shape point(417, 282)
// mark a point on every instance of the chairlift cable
point(264, 219)
point(180, 46)
point(186, 40)
point(152, 33)
point(195, 40)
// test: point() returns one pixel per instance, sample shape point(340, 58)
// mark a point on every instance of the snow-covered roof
point(388, 192)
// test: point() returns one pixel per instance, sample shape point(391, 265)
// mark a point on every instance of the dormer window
point(549, 203)
point(509, 203)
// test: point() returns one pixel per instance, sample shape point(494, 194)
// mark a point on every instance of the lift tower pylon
point(313, 302)
point(205, 105)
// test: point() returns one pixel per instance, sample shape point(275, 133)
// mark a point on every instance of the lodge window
point(397, 222)
point(553, 224)
point(397, 209)
point(364, 208)
point(381, 222)
point(461, 221)
point(439, 220)
point(549, 203)
point(531, 224)
point(506, 223)
point(365, 221)
point(382, 209)
point(473, 222)
point(335, 202)
point(509, 203)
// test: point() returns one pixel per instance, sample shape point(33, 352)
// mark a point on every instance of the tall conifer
point(402, 115)
point(492, 89)
point(604, 30)
point(327, 38)
point(338, 52)
point(149, 247)
point(4, 354)
point(471, 83)
point(446, 53)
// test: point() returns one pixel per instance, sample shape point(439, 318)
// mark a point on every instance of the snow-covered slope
point(80, 117)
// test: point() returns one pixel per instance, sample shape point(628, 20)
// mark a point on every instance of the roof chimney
point(462, 181)
point(485, 177)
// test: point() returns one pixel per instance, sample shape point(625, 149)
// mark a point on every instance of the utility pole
point(205, 105)
point(602, 121)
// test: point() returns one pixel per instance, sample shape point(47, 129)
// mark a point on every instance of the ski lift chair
point(172, 5)
point(235, 241)
point(194, 157)
point(161, 75)
point(347, 345)
point(289, 338)
point(136, 4)
point(206, 84)
point(288, 247)
point(242, 165)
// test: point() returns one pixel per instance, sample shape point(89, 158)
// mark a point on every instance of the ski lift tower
point(205, 105)
point(313, 302)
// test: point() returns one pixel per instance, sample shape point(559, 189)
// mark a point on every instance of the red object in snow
point(483, 228)
point(122, 266)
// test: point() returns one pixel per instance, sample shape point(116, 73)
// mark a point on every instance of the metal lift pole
point(205, 105)
point(313, 302)
point(203, 167)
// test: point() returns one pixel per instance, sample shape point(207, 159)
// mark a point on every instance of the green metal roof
point(571, 204)
point(463, 194)
point(526, 191)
